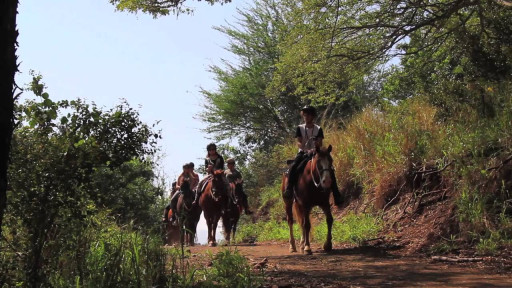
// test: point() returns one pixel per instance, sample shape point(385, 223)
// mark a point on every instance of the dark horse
point(232, 214)
point(188, 214)
point(212, 202)
point(312, 189)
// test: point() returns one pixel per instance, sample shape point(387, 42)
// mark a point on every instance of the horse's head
point(322, 170)
point(185, 186)
point(218, 184)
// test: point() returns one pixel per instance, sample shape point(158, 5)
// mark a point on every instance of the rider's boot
point(246, 205)
point(338, 200)
point(288, 192)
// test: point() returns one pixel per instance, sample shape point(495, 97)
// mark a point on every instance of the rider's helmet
point(191, 165)
point(211, 146)
point(308, 110)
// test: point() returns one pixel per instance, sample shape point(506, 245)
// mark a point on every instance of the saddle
point(203, 186)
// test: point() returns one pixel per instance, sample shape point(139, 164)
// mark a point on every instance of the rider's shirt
point(232, 175)
point(308, 135)
point(218, 163)
point(194, 181)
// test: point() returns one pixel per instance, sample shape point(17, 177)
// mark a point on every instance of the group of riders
point(213, 161)
point(308, 137)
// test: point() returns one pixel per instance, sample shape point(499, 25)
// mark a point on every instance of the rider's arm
point(319, 137)
point(194, 181)
point(179, 182)
point(298, 138)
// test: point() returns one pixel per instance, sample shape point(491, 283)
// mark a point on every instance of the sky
point(85, 49)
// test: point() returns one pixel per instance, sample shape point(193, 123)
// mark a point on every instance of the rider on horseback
point(233, 175)
point(309, 136)
point(212, 162)
point(186, 175)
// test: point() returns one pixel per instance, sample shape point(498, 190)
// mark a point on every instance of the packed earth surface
point(403, 254)
point(368, 266)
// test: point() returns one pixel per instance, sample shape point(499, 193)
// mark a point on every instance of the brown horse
point(312, 189)
point(188, 214)
point(213, 202)
point(232, 215)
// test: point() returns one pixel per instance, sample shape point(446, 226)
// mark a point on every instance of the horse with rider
point(309, 181)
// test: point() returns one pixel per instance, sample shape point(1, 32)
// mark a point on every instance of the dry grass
point(377, 147)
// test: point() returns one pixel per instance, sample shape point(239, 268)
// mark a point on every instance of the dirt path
point(360, 267)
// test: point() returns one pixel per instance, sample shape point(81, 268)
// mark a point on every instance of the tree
point(447, 47)
point(68, 166)
point(8, 69)
point(457, 63)
point(158, 7)
point(241, 108)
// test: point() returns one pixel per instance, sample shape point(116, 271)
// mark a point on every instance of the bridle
point(215, 182)
point(318, 171)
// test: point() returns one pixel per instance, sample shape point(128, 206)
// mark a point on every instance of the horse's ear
point(329, 149)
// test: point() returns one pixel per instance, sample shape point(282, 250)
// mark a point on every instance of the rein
point(319, 172)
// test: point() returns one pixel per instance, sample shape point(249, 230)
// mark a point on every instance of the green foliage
point(266, 231)
point(159, 7)
point(229, 269)
point(351, 229)
point(240, 108)
point(64, 171)
point(445, 246)
point(116, 257)
point(489, 246)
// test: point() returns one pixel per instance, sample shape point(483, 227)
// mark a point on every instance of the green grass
point(352, 228)
point(229, 269)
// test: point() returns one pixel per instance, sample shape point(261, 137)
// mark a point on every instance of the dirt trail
point(360, 267)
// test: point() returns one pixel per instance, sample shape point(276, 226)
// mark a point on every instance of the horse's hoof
point(293, 249)
point(212, 244)
point(307, 250)
point(328, 247)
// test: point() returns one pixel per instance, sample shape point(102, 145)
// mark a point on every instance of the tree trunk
point(8, 68)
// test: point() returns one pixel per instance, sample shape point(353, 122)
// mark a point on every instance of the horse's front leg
point(329, 220)
point(211, 239)
point(234, 230)
point(214, 230)
point(306, 232)
point(227, 233)
point(289, 217)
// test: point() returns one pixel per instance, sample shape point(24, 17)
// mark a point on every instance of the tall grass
point(351, 228)
point(229, 269)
